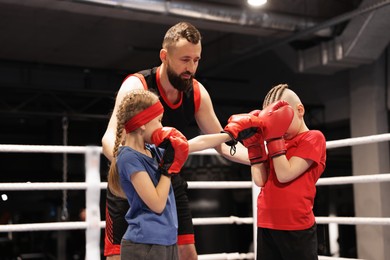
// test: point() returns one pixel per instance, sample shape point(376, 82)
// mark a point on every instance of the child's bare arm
point(288, 170)
point(154, 197)
point(259, 174)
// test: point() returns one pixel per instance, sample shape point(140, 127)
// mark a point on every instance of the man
point(184, 99)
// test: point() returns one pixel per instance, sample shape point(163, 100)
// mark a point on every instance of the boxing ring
point(93, 186)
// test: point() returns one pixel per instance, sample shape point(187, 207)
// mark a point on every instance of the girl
point(141, 173)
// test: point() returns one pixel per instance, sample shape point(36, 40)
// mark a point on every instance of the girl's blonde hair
point(133, 103)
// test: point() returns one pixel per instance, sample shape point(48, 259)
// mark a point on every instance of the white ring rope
point(91, 224)
point(227, 256)
point(197, 222)
point(321, 257)
point(14, 148)
point(193, 184)
point(353, 220)
point(70, 225)
point(222, 220)
point(354, 179)
point(103, 185)
point(45, 186)
point(358, 141)
point(219, 184)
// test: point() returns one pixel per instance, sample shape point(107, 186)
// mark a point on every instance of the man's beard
point(179, 83)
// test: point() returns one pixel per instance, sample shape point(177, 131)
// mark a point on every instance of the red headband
point(144, 117)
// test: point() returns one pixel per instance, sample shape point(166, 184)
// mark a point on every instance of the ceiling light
point(4, 197)
point(256, 3)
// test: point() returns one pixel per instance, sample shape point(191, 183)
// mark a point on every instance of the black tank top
point(180, 115)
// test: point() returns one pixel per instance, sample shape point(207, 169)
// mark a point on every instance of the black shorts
point(116, 225)
point(281, 244)
point(184, 216)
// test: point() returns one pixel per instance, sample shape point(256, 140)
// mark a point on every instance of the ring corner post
point(92, 179)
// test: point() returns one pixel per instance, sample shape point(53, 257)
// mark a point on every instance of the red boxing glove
point(256, 148)
point(255, 145)
point(242, 126)
point(276, 119)
point(176, 149)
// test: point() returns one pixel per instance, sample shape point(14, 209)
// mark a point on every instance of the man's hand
point(242, 126)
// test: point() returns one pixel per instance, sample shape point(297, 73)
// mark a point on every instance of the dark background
point(65, 60)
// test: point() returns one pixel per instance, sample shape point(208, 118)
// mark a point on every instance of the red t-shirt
point(289, 206)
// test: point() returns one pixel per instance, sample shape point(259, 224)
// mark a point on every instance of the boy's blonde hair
point(275, 94)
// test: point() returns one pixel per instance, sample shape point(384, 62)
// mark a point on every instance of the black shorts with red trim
point(184, 216)
point(116, 225)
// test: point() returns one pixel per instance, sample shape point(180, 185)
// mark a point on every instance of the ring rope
point(219, 184)
point(227, 256)
point(70, 225)
point(354, 179)
point(354, 220)
point(47, 186)
point(358, 141)
point(16, 148)
point(383, 177)
point(222, 220)
point(82, 149)
point(321, 257)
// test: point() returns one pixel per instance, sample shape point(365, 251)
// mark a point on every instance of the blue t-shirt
point(146, 226)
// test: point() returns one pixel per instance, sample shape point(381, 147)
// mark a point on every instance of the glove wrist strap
point(257, 154)
point(232, 143)
point(276, 147)
point(165, 172)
